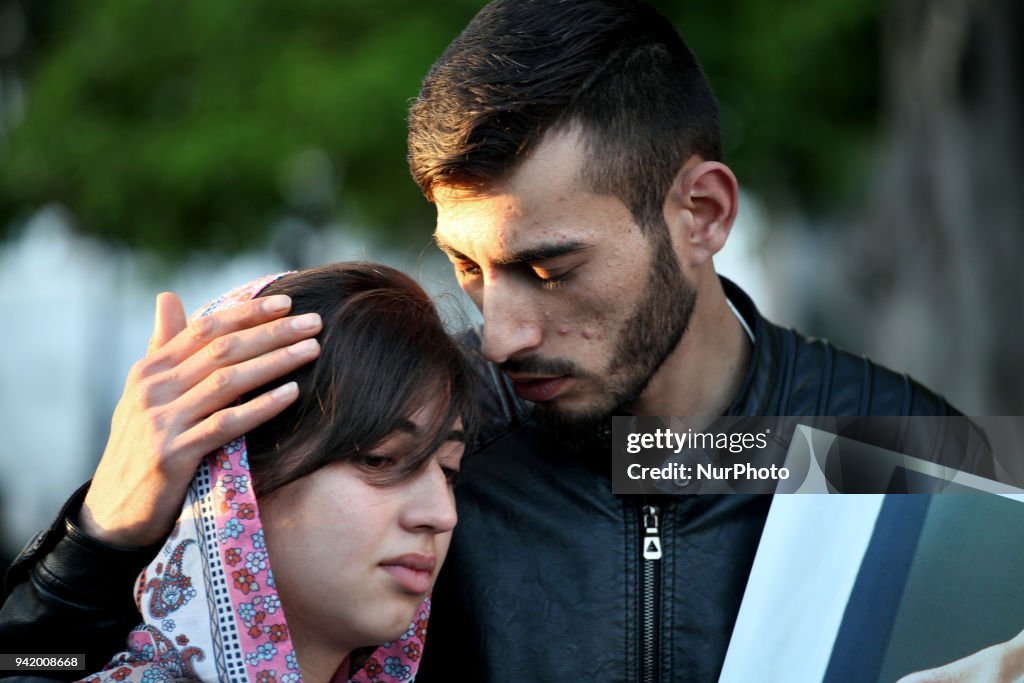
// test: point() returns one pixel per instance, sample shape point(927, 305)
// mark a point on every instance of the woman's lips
point(540, 389)
point(411, 580)
point(414, 572)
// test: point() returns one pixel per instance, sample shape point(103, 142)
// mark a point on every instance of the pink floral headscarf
point(209, 604)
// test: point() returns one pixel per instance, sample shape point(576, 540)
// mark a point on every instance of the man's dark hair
point(523, 68)
point(384, 355)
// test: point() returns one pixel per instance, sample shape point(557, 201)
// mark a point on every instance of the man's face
point(580, 307)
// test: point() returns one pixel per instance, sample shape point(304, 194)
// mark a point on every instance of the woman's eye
point(451, 475)
point(468, 270)
point(376, 462)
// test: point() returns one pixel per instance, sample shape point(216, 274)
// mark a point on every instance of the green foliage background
point(172, 126)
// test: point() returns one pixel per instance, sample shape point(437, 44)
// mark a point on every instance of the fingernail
point(306, 322)
point(277, 302)
point(285, 390)
point(303, 347)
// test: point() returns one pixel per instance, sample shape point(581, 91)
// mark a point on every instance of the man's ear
point(700, 208)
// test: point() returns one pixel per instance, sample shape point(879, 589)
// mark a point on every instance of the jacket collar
point(755, 396)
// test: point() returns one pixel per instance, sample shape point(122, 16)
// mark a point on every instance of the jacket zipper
point(651, 553)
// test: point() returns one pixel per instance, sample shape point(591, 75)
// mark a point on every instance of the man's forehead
point(501, 238)
point(506, 228)
point(469, 221)
point(551, 170)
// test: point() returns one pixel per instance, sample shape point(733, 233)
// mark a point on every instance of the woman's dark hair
point(384, 355)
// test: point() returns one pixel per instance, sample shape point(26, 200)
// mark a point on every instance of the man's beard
point(644, 342)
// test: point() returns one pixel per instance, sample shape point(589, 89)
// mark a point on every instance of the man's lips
point(538, 389)
point(414, 572)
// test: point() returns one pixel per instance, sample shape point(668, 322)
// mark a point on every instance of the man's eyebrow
point(533, 254)
point(541, 252)
point(448, 249)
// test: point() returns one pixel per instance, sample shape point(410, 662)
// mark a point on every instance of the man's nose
point(512, 325)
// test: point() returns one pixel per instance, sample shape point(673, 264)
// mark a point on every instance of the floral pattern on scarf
point(209, 604)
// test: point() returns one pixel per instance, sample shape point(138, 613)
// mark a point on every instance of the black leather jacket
point(66, 593)
point(545, 579)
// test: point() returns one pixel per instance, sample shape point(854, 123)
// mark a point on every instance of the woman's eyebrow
point(409, 427)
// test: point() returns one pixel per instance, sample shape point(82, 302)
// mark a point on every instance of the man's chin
point(576, 429)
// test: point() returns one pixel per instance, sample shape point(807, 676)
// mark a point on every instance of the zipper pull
point(652, 538)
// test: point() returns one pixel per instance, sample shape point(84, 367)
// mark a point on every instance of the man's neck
point(705, 372)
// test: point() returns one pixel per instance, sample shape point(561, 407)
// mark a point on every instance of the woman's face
point(352, 560)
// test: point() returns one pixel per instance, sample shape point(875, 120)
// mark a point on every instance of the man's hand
point(1002, 663)
point(178, 406)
